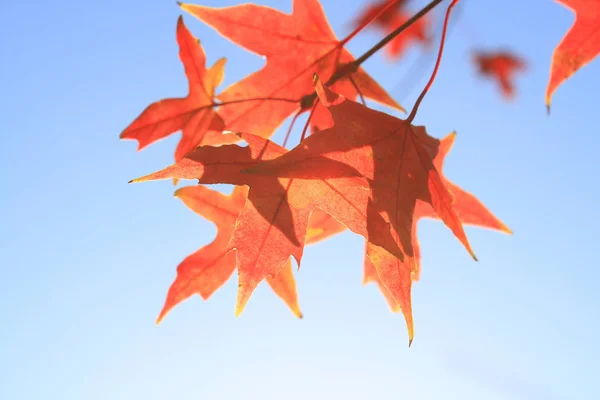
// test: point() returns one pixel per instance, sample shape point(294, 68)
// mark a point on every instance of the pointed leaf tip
point(238, 310)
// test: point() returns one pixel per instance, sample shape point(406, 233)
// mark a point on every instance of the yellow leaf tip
point(239, 309)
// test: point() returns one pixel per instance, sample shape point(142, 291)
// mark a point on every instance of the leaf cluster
point(355, 168)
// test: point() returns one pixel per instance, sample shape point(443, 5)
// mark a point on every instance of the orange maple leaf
point(193, 114)
point(470, 211)
point(578, 47)
point(207, 269)
point(273, 224)
point(502, 66)
point(295, 46)
point(390, 19)
point(398, 160)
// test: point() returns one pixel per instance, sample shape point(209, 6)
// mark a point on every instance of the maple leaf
point(193, 114)
point(273, 224)
point(389, 20)
point(398, 160)
point(578, 47)
point(380, 12)
point(207, 269)
point(470, 211)
point(501, 66)
point(287, 74)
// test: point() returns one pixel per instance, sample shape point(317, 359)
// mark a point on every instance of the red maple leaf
point(207, 269)
point(272, 226)
point(470, 211)
point(193, 114)
point(295, 46)
point(501, 66)
point(580, 45)
point(380, 13)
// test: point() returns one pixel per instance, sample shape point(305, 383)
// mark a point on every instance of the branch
point(349, 68)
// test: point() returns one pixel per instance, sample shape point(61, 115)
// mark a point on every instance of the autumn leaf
point(273, 224)
point(470, 211)
point(390, 19)
point(398, 160)
point(207, 269)
point(380, 12)
point(578, 47)
point(500, 66)
point(210, 267)
point(193, 114)
point(286, 78)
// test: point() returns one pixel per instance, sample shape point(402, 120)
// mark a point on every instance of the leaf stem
point(413, 113)
point(312, 111)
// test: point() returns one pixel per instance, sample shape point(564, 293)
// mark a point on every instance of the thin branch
point(396, 32)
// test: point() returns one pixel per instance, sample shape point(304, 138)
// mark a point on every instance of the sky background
point(86, 259)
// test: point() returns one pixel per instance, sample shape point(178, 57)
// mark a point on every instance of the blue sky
point(86, 259)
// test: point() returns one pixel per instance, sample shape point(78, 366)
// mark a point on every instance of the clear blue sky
point(86, 259)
